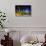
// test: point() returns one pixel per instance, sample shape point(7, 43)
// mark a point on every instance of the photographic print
point(23, 10)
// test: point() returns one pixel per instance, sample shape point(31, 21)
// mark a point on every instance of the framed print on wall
point(23, 10)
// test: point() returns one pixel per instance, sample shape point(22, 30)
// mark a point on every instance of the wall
point(17, 35)
point(38, 18)
point(35, 23)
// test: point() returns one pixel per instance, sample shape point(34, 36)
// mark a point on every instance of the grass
point(22, 13)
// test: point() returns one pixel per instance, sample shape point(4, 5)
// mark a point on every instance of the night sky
point(23, 8)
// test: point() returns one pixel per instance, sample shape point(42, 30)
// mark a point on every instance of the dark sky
point(23, 7)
